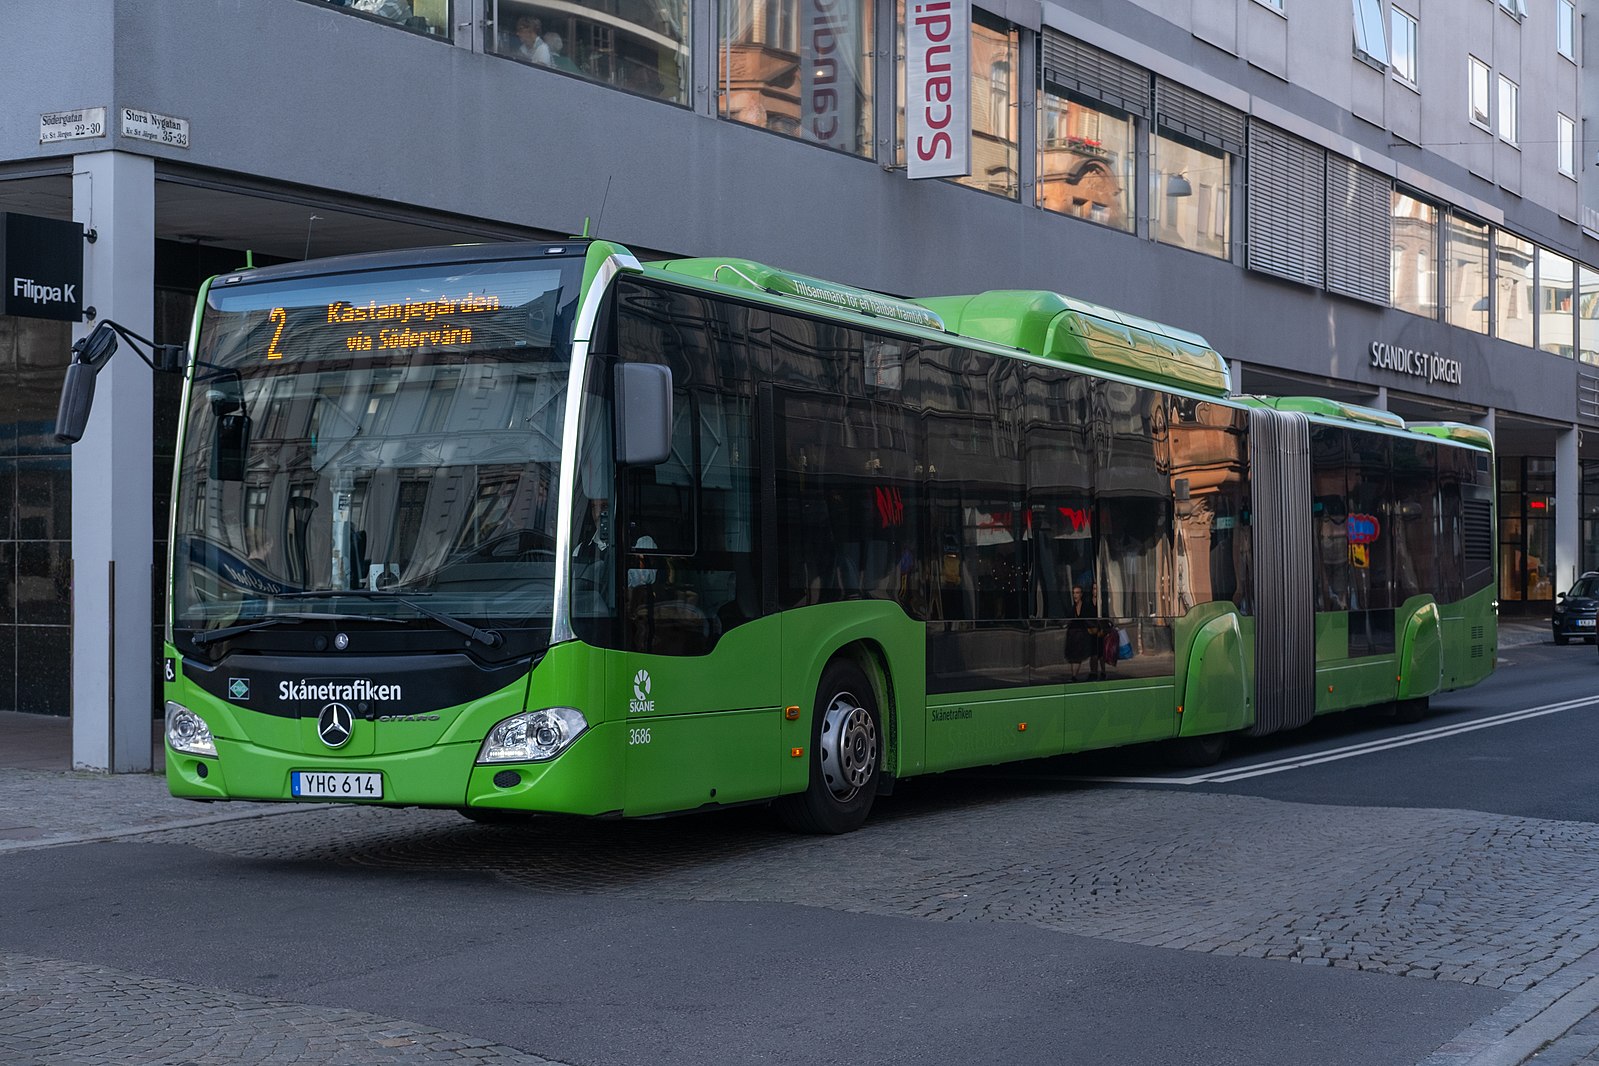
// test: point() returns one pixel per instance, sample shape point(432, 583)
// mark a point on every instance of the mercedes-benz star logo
point(333, 725)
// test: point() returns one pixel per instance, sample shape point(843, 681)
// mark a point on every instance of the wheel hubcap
point(849, 746)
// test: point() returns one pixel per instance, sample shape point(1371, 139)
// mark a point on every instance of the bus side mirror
point(77, 396)
point(77, 388)
point(643, 414)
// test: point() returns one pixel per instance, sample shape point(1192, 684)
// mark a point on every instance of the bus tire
point(1190, 752)
point(495, 816)
point(846, 755)
point(1411, 711)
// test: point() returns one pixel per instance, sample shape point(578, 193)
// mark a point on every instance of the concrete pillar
point(113, 194)
point(1568, 508)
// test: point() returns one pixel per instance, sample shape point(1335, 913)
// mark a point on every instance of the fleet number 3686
point(638, 736)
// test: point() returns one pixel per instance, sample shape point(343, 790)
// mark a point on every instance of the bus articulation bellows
point(540, 528)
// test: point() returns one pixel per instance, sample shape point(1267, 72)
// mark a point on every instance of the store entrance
point(1526, 535)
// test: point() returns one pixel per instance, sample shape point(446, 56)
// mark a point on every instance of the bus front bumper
point(581, 780)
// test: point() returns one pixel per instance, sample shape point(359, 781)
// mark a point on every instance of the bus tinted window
point(1208, 452)
point(1329, 461)
point(1414, 519)
point(1132, 476)
point(688, 525)
point(1370, 526)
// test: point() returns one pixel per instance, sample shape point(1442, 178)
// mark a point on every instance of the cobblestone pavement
point(1496, 901)
point(67, 1013)
point(39, 807)
point(1457, 896)
point(1480, 899)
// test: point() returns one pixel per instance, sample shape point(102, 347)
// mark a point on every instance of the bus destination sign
point(442, 321)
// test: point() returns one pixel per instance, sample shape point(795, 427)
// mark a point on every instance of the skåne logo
point(641, 701)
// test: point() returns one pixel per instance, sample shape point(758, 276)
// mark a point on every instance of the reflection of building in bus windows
point(803, 68)
point(637, 45)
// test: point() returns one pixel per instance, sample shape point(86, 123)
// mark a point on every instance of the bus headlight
point(533, 736)
point(187, 731)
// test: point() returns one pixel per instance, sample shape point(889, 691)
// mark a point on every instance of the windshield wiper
point(487, 637)
point(210, 636)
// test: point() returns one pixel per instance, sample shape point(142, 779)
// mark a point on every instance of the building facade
point(1387, 202)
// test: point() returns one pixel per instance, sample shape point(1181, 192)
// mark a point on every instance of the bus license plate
point(1585, 623)
point(336, 784)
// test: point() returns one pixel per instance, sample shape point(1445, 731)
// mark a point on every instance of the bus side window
point(689, 524)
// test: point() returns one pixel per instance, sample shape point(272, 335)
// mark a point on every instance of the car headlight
point(187, 731)
point(533, 736)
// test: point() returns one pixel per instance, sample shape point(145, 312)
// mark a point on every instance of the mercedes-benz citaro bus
point(540, 528)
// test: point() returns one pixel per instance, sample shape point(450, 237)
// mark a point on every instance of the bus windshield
point(379, 446)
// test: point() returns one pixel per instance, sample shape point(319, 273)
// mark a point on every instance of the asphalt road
point(1401, 905)
point(1538, 767)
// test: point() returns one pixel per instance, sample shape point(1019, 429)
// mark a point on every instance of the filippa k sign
point(41, 268)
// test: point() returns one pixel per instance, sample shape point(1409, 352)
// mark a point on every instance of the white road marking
point(1371, 747)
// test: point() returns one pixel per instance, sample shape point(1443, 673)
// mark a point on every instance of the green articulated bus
point(540, 528)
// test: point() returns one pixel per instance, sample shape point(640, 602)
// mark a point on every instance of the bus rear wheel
point(496, 816)
point(846, 756)
point(1410, 711)
point(1194, 752)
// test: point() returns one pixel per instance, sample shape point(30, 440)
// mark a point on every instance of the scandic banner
point(830, 85)
point(938, 88)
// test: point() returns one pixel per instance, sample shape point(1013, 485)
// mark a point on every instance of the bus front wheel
point(846, 756)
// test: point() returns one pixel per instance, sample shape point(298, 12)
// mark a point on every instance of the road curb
point(98, 836)
point(1529, 1024)
point(1545, 1027)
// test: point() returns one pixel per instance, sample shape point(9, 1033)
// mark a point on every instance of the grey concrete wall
point(53, 57)
point(303, 94)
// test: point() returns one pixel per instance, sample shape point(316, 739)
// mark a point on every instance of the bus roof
point(1331, 409)
point(1058, 327)
point(1045, 324)
point(1459, 432)
point(758, 277)
point(1338, 411)
point(430, 255)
